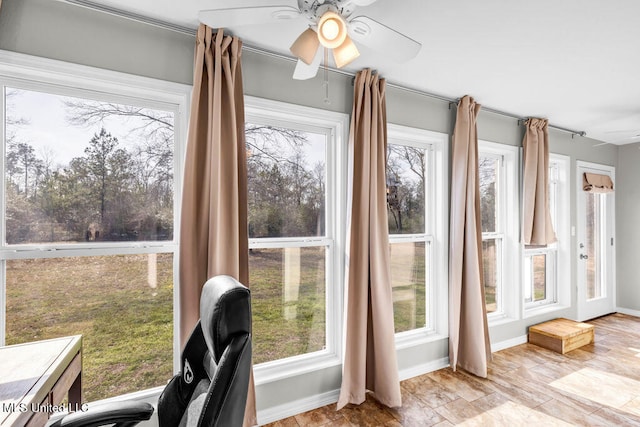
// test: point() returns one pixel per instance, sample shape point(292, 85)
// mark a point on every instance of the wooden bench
point(561, 335)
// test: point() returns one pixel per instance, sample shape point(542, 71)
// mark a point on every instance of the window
point(414, 191)
point(492, 235)
point(543, 267)
point(498, 218)
point(293, 163)
point(90, 177)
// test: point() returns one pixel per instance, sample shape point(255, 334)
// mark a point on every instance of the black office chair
point(211, 389)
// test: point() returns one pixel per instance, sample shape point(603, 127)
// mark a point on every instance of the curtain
point(537, 227)
point(213, 224)
point(469, 346)
point(370, 357)
point(597, 183)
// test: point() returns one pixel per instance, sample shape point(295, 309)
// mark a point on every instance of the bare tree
point(406, 170)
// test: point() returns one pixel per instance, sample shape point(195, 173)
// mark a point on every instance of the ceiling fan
point(332, 25)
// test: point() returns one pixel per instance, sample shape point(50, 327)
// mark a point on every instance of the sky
point(48, 129)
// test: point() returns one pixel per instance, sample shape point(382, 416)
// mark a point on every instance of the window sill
point(500, 320)
point(268, 372)
point(543, 309)
point(416, 338)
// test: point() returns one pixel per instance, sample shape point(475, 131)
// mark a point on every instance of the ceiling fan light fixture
point(305, 46)
point(345, 53)
point(332, 30)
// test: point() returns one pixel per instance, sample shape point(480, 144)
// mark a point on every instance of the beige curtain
point(597, 183)
point(370, 356)
point(537, 228)
point(469, 346)
point(213, 224)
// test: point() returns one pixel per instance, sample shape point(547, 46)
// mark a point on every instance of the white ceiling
point(575, 62)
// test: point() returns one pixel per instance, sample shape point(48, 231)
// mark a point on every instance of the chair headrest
point(225, 311)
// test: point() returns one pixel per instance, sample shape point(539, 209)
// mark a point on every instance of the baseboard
point(628, 311)
point(423, 368)
point(299, 406)
point(508, 343)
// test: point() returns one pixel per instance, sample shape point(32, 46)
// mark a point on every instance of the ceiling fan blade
point(306, 46)
point(236, 16)
point(378, 36)
point(306, 72)
point(345, 53)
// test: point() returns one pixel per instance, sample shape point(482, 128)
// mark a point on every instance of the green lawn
point(127, 325)
point(288, 315)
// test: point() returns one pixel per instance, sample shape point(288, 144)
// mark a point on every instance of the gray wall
point(57, 30)
point(627, 188)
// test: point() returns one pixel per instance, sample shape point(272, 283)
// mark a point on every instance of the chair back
point(211, 388)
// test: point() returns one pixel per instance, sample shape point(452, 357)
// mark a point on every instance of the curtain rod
point(191, 32)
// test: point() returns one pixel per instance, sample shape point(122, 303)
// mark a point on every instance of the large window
point(498, 217)
point(414, 190)
point(88, 219)
point(293, 164)
point(543, 267)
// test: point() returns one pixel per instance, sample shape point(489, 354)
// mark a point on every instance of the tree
point(283, 191)
point(13, 123)
point(98, 154)
point(487, 175)
point(153, 131)
point(406, 169)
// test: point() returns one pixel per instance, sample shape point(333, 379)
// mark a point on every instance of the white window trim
point(436, 234)
point(563, 233)
point(336, 127)
point(62, 78)
point(508, 232)
point(551, 276)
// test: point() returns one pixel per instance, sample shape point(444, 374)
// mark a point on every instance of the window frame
point(560, 250)
point(436, 234)
point(336, 126)
point(507, 230)
point(27, 72)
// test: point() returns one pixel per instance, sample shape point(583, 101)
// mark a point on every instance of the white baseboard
point(289, 409)
point(628, 311)
point(423, 368)
point(508, 343)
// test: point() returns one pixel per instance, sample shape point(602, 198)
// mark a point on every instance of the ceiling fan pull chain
point(325, 81)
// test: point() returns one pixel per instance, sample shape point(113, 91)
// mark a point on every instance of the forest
point(112, 192)
point(124, 191)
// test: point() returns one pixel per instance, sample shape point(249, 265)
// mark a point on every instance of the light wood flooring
point(596, 385)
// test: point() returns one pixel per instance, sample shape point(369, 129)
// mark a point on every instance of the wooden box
point(561, 335)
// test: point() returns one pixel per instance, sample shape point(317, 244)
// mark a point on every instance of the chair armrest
point(128, 412)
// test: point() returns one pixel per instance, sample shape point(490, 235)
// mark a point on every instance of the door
point(595, 246)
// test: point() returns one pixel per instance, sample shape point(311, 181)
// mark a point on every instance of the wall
point(57, 30)
point(628, 229)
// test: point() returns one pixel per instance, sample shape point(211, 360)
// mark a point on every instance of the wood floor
point(596, 385)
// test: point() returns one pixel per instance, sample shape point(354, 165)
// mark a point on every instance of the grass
point(127, 325)
point(289, 315)
point(408, 285)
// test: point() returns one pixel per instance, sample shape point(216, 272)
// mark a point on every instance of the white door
point(595, 246)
